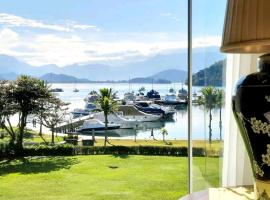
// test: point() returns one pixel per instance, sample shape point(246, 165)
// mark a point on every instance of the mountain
point(211, 75)
point(172, 75)
point(149, 80)
point(8, 76)
point(102, 72)
point(62, 78)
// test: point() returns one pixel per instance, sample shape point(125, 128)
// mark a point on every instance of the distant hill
point(62, 78)
point(149, 80)
point(8, 76)
point(172, 75)
point(112, 71)
point(210, 76)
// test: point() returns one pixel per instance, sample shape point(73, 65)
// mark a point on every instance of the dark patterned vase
point(251, 107)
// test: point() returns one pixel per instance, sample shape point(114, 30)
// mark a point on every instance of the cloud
point(10, 20)
point(42, 49)
point(170, 16)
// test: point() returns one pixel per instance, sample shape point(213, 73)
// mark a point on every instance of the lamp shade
point(247, 27)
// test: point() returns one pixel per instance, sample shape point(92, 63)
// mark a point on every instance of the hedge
point(70, 150)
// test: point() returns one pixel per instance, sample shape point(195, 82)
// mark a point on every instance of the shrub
point(43, 150)
point(68, 150)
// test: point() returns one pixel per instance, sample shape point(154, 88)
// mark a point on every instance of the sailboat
point(75, 89)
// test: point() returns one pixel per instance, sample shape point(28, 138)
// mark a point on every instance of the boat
point(170, 97)
point(76, 90)
point(183, 94)
point(168, 110)
point(88, 109)
point(147, 108)
point(117, 119)
point(56, 90)
point(129, 97)
point(78, 112)
point(140, 97)
point(91, 97)
point(131, 112)
point(152, 94)
point(96, 125)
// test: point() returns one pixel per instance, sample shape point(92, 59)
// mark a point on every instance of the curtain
point(236, 166)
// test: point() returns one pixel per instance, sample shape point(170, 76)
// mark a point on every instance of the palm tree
point(220, 103)
point(108, 105)
point(209, 101)
point(164, 132)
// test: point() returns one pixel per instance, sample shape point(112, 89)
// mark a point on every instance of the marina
point(133, 121)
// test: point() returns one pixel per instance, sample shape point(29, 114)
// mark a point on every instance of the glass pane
point(135, 47)
point(208, 93)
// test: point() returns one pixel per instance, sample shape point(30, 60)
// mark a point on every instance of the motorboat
point(117, 119)
point(183, 94)
point(91, 97)
point(56, 90)
point(131, 112)
point(140, 97)
point(78, 112)
point(88, 109)
point(170, 97)
point(129, 97)
point(168, 110)
point(76, 90)
point(97, 126)
point(147, 108)
point(152, 94)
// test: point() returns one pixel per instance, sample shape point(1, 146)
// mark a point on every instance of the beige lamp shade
point(247, 27)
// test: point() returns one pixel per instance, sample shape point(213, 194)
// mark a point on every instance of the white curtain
point(236, 166)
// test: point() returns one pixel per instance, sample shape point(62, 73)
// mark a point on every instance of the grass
point(102, 177)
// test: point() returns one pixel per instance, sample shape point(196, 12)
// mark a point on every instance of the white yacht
point(132, 113)
point(97, 126)
point(116, 119)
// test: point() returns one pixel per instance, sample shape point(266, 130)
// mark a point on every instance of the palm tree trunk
point(163, 138)
point(210, 126)
point(106, 129)
point(93, 135)
point(220, 125)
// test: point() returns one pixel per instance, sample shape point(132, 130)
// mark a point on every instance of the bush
point(42, 150)
point(69, 150)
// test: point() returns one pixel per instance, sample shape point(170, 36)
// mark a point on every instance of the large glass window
point(209, 67)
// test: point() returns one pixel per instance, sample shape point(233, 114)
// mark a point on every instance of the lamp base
point(251, 107)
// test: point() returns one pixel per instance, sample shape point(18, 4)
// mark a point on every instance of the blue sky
point(64, 32)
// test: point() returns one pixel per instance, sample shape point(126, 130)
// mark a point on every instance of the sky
point(64, 32)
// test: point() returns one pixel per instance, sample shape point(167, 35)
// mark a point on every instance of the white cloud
point(206, 41)
point(17, 21)
point(170, 16)
point(64, 50)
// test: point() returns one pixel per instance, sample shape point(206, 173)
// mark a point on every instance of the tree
point(220, 103)
point(108, 105)
point(7, 109)
point(209, 99)
point(52, 114)
point(27, 93)
point(164, 132)
point(22, 97)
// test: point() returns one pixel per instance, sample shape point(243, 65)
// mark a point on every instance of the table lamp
point(247, 30)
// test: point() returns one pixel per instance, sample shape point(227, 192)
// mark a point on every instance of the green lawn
point(103, 177)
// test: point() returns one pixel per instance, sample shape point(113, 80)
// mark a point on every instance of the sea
point(177, 125)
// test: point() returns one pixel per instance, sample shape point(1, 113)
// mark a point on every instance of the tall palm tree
point(220, 103)
point(209, 101)
point(108, 105)
point(164, 132)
